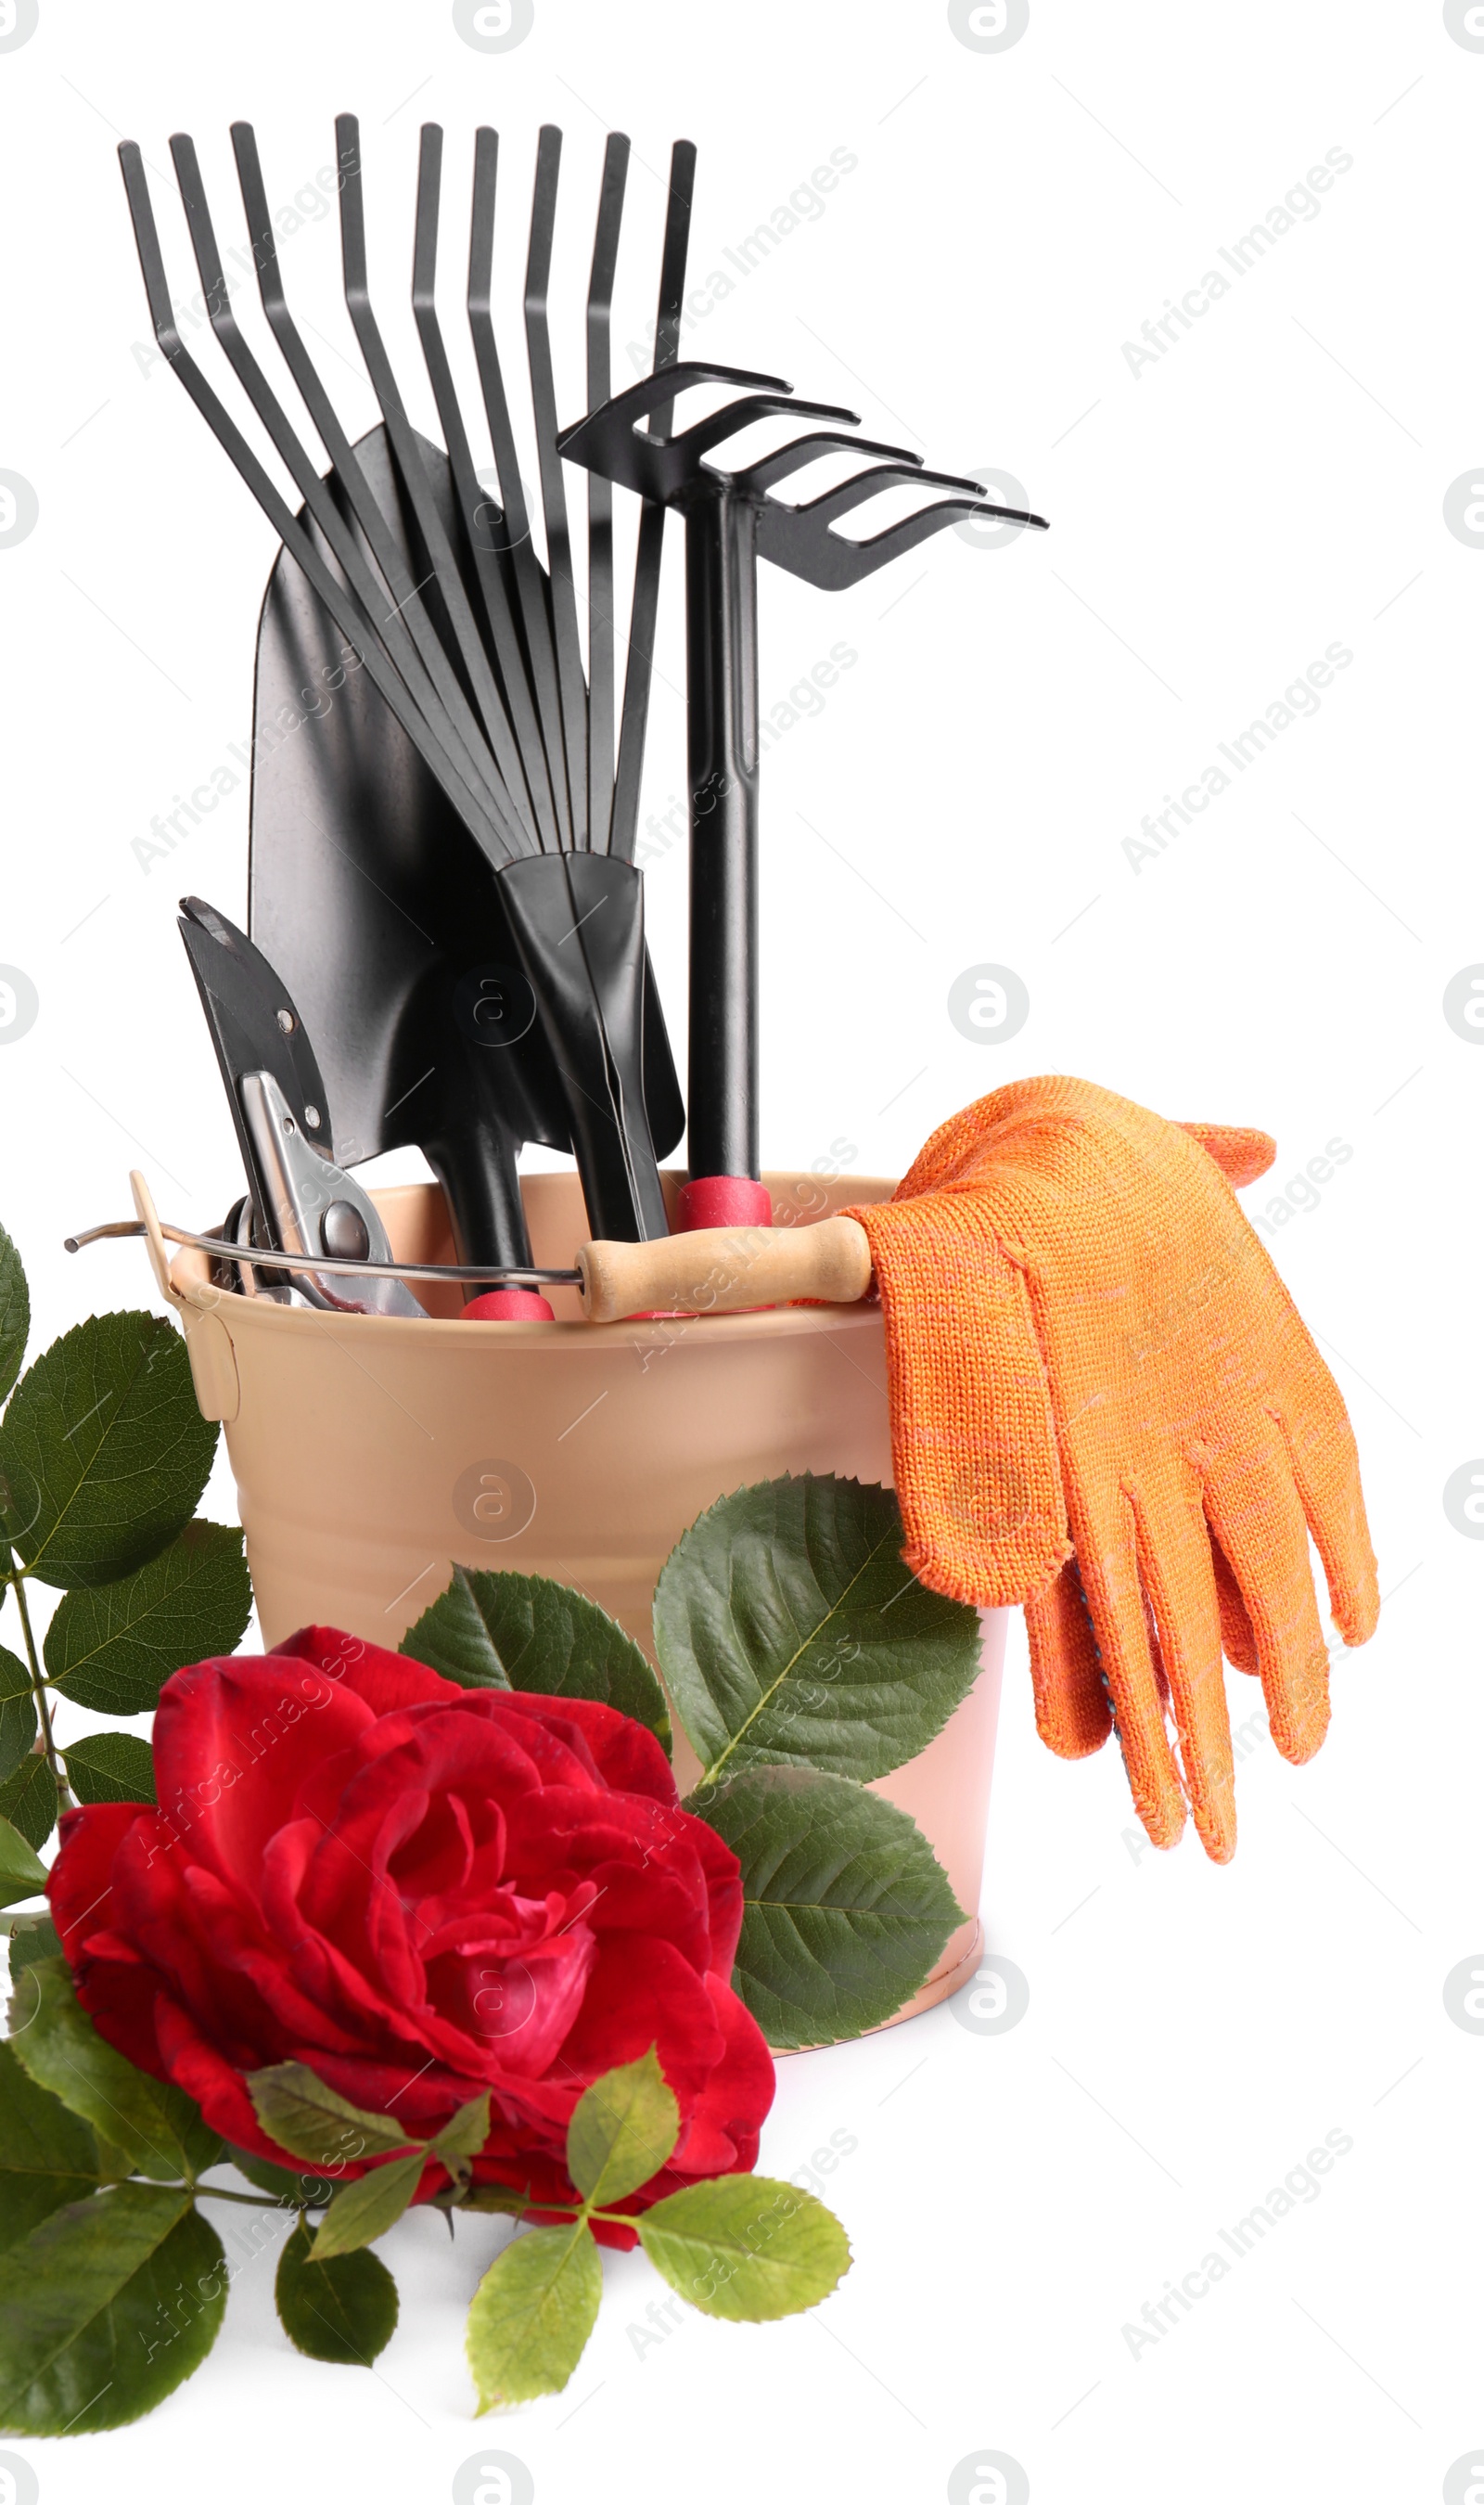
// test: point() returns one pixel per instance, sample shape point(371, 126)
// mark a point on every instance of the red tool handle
point(722, 1200)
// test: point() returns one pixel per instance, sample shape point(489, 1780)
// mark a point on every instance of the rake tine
point(653, 397)
point(530, 581)
point(529, 760)
point(327, 515)
point(383, 545)
point(559, 552)
point(666, 468)
point(599, 501)
point(610, 440)
point(966, 492)
point(410, 465)
point(807, 448)
point(645, 611)
point(495, 838)
point(867, 483)
point(708, 432)
point(822, 557)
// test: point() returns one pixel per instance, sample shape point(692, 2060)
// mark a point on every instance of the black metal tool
point(507, 522)
point(476, 652)
point(644, 610)
point(370, 895)
point(460, 634)
point(355, 491)
point(373, 899)
point(578, 932)
point(478, 527)
point(304, 1203)
point(562, 593)
point(732, 518)
point(357, 624)
point(601, 757)
point(376, 596)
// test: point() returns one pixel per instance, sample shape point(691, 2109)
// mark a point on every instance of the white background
point(1272, 484)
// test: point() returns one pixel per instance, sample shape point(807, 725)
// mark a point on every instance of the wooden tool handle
point(726, 1270)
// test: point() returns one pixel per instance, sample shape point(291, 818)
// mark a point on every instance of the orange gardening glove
point(1104, 1405)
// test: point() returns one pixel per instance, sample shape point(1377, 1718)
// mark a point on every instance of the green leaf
point(32, 1936)
point(365, 2209)
point(48, 2156)
point(745, 2248)
point(845, 1908)
point(112, 1766)
point(343, 2310)
point(20, 1873)
point(532, 2315)
point(103, 1451)
point(28, 1800)
point(18, 1711)
point(14, 1313)
point(309, 2120)
point(113, 1649)
point(525, 1631)
point(622, 2129)
point(790, 1633)
point(293, 2189)
point(105, 2308)
point(465, 2136)
point(157, 2129)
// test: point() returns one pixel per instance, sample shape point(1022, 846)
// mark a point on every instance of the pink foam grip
point(508, 1305)
point(722, 1200)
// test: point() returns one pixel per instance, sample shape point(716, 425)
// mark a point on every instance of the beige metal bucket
point(369, 1453)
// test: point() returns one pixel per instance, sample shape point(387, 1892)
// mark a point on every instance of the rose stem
point(16, 1581)
point(245, 2199)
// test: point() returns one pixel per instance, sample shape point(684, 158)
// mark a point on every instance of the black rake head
point(612, 441)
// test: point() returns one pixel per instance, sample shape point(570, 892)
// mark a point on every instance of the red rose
point(421, 1891)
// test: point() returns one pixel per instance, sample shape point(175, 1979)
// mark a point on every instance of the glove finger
point(1326, 1467)
point(1238, 1642)
point(1175, 1564)
point(1104, 1541)
point(1253, 1507)
point(1156, 1656)
point(1073, 1715)
point(1242, 1155)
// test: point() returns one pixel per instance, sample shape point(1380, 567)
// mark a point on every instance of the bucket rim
point(187, 1283)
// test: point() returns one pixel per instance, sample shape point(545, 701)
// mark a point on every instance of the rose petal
point(383, 1680)
point(515, 2011)
point(233, 1740)
point(121, 1999)
point(643, 1992)
point(81, 1881)
point(624, 1754)
point(725, 2121)
point(195, 2065)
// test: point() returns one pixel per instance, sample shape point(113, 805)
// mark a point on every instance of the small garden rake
point(732, 518)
